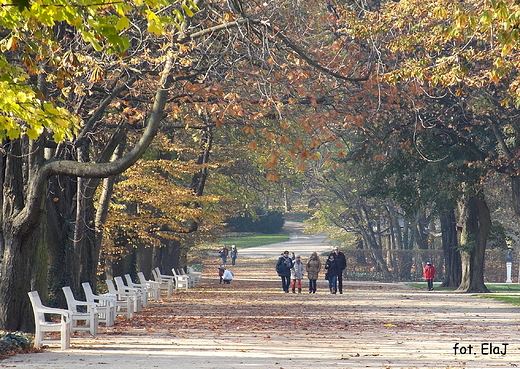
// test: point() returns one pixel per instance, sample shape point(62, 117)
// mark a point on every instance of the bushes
point(270, 221)
point(12, 343)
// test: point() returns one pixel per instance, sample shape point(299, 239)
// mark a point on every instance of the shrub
point(270, 221)
point(12, 343)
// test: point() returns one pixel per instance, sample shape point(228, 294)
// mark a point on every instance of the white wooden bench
point(89, 317)
point(106, 305)
point(43, 326)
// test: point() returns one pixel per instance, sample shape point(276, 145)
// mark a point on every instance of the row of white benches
point(121, 299)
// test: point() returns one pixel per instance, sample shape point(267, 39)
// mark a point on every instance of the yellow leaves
point(9, 44)
point(229, 17)
point(122, 23)
point(440, 12)
point(154, 23)
point(97, 74)
point(486, 18)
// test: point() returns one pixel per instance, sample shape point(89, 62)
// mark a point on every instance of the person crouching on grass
point(297, 274)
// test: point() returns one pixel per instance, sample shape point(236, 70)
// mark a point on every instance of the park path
point(251, 324)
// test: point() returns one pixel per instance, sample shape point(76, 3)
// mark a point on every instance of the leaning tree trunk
point(476, 220)
point(452, 262)
point(23, 204)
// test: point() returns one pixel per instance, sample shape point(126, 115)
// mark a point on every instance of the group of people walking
point(291, 271)
point(224, 252)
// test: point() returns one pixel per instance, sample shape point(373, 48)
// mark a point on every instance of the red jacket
point(429, 271)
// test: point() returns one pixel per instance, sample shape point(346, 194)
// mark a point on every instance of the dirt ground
point(250, 323)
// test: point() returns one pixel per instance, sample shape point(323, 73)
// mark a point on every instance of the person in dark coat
point(283, 268)
point(332, 268)
point(224, 252)
point(233, 254)
point(342, 264)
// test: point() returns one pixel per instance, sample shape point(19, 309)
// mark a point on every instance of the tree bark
point(450, 250)
point(476, 221)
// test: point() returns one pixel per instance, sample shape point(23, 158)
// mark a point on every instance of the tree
point(456, 63)
point(104, 93)
point(26, 168)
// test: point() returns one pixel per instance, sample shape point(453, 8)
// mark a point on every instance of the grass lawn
point(254, 240)
point(513, 300)
point(422, 285)
point(493, 287)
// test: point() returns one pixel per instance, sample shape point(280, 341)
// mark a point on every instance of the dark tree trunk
point(452, 262)
point(476, 224)
point(24, 190)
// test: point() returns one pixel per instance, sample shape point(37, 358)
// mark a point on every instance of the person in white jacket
point(297, 274)
point(228, 276)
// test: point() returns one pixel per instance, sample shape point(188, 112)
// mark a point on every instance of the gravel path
point(251, 324)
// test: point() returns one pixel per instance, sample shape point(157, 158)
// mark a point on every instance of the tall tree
point(27, 165)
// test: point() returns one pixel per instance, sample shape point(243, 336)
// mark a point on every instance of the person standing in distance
point(283, 268)
point(224, 251)
point(313, 269)
point(332, 268)
point(233, 254)
point(429, 274)
point(297, 274)
point(341, 264)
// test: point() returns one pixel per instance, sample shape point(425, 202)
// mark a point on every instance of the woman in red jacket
point(429, 274)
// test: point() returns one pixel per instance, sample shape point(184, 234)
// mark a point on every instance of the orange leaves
point(302, 167)
point(273, 176)
point(272, 162)
point(248, 130)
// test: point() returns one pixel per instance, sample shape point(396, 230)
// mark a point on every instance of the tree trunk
point(18, 273)
point(476, 221)
point(23, 204)
point(450, 250)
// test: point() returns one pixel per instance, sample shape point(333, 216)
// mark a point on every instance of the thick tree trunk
point(23, 204)
point(515, 190)
point(476, 224)
point(450, 250)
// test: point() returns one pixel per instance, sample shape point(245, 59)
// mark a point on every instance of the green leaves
point(102, 24)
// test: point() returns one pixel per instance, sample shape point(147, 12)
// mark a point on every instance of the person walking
point(283, 268)
point(313, 269)
point(297, 274)
point(429, 274)
point(341, 260)
point(233, 254)
point(224, 251)
point(332, 267)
